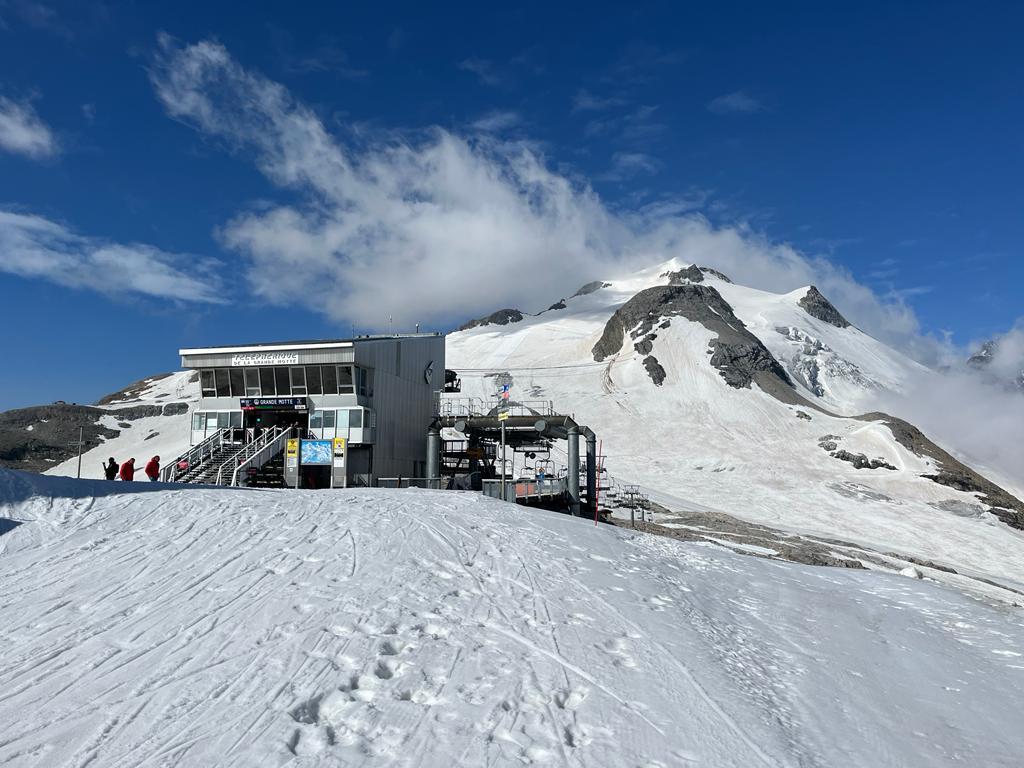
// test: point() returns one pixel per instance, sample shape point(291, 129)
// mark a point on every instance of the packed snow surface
point(151, 625)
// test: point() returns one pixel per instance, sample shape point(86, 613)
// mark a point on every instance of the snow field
point(416, 628)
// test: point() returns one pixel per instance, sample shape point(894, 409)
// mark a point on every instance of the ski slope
point(148, 625)
point(705, 445)
point(163, 436)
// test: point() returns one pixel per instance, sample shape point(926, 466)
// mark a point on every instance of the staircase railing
point(195, 455)
point(260, 452)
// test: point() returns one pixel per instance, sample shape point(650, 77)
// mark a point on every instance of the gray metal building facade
point(378, 392)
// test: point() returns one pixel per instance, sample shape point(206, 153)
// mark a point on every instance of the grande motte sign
point(273, 403)
point(264, 358)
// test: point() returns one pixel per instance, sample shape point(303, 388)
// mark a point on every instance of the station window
point(198, 418)
point(206, 381)
point(355, 418)
point(223, 382)
point(313, 385)
point(284, 388)
point(316, 420)
point(342, 421)
point(267, 388)
point(237, 376)
point(330, 378)
point(252, 382)
point(329, 419)
point(298, 377)
point(345, 383)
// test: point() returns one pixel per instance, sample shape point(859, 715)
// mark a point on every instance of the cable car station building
point(374, 392)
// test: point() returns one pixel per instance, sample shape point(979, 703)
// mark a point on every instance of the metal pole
point(503, 498)
point(81, 430)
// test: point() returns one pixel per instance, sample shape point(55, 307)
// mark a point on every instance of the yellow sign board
point(339, 451)
point(503, 416)
point(292, 450)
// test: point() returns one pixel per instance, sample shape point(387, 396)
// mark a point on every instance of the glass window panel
point(342, 420)
point(284, 388)
point(316, 420)
point(267, 388)
point(223, 382)
point(298, 376)
point(223, 420)
point(345, 386)
point(355, 418)
point(197, 421)
point(329, 419)
point(207, 383)
point(236, 419)
point(252, 382)
point(313, 380)
point(237, 376)
point(330, 374)
point(211, 421)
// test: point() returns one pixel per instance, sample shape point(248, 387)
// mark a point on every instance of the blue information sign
point(316, 452)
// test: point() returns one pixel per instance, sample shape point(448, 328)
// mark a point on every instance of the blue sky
point(182, 174)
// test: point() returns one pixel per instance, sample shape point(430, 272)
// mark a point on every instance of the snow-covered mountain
point(146, 625)
point(716, 395)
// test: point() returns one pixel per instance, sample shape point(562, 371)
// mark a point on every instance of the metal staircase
point(233, 457)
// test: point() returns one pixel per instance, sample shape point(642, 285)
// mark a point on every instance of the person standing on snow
point(128, 470)
point(153, 469)
point(110, 469)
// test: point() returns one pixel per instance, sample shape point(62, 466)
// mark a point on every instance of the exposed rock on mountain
point(984, 361)
point(38, 438)
point(860, 461)
point(590, 288)
point(501, 317)
point(818, 306)
point(952, 472)
point(739, 356)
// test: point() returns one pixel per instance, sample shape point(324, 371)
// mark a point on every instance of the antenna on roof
point(391, 325)
point(417, 327)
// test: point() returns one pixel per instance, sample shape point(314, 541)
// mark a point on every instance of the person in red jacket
point(127, 470)
point(153, 469)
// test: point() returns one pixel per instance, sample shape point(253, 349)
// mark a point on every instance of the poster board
point(316, 452)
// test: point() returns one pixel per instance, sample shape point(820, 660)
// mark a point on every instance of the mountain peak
point(817, 306)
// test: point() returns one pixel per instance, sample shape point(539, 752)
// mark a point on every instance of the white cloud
point(483, 69)
point(441, 226)
point(497, 121)
point(737, 102)
point(627, 165)
point(22, 131)
point(36, 247)
point(584, 101)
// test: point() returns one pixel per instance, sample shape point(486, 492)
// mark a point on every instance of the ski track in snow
point(417, 628)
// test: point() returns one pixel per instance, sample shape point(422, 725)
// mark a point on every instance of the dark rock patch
point(124, 425)
point(53, 428)
point(645, 346)
point(816, 305)
point(133, 412)
point(151, 435)
point(175, 409)
point(654, 370)
point(859, 460)
point(501, 317)
point(803, 415)
point(952, 472)
point(739, 356)
point(691, 274)
point(828, 445)
point(591, 287)
point(135, 389)
point(560, 304)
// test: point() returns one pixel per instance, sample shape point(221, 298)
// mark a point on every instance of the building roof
point(278, 346)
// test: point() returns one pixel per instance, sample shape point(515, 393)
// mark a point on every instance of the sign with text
point(264, 358)
point(503, 416)
point(339, 452)
point(272, 403)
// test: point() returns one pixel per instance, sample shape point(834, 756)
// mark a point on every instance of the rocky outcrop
point(859, 460)
point(560, 304)
point(133, 390)
point(693, 274)
point(591, 287)
point(36, 439)
point(816, 305)
point(983, 361)
point(739, 356)
point(953, 473)
point(501, 317)
point(654, 370)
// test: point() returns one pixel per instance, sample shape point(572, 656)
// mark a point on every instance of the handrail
point(194, 455)
point(246, 451)
point(270, 448)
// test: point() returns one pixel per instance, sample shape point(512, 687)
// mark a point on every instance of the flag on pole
point(505, 391)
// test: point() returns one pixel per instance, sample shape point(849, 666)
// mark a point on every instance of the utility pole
point(503, 498)
point(79, 444)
